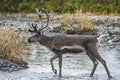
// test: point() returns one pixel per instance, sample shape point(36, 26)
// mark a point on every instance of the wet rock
point(105, 20)
point(6, 65)
point(56, 29)
point(94, 32)
point(112, 41)
point(59, 17)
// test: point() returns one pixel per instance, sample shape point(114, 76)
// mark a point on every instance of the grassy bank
point(76, 23)
point(11, 45)
point(61, 6)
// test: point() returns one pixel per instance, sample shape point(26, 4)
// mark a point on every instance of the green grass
point(61, 6)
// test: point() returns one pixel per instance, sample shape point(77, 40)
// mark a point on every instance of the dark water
point(75, 67)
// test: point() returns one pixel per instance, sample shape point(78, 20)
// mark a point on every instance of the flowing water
point(75, 67)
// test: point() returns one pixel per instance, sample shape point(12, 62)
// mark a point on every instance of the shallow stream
point(75, 67)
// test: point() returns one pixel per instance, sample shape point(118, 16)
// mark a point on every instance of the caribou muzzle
point(29, 40)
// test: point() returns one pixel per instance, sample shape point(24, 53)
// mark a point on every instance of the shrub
point(76, 22)
point(11, 45)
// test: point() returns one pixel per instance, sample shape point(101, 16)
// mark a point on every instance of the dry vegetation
point(11, 45)
point(76, 22)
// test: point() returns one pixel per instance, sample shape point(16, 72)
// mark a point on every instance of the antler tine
point(47, 14)
point(31, 27)
point(34, 27)
point(51, 13)
point(40, 17)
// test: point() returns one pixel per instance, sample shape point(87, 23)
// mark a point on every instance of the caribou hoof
point(60, 76)
point(110, 77)
point(55, 71)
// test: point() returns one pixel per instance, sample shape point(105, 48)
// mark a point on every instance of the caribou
point(64, 43)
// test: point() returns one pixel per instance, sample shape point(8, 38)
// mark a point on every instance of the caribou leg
point(51, 61)
point(94, 52)
point(104, 64)
point(95, 63)
point(60, 65)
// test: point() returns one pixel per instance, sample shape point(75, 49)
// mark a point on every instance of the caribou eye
point(37, 35)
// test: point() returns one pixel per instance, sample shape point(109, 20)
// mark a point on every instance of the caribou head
point(34, 28)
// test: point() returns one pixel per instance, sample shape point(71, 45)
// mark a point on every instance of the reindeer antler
point(48, 16)
point(34, 27)
point(40, 16)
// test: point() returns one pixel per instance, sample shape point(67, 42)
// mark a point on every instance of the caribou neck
point(45, 40)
